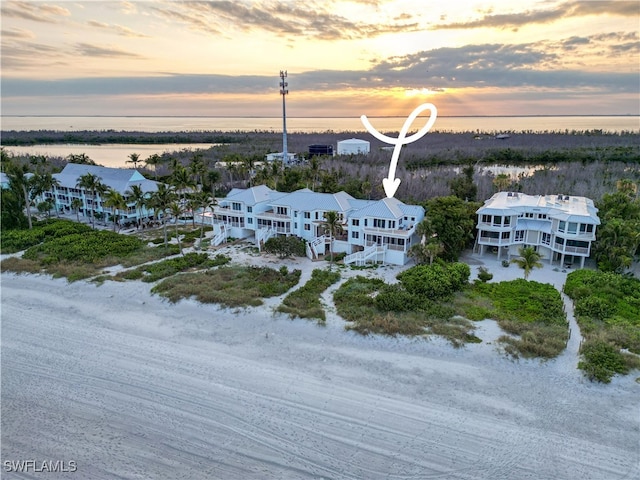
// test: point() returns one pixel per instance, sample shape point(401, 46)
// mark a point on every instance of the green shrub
point(435, 281)
point(601, 361)
point(484, 275)
point(305, 301)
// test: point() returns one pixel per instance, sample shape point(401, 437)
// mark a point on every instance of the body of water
point(108, 155)
point(308, 125)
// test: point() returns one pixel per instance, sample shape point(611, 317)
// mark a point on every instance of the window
point(249, 220)
point(562, 226)
point(486, 218)
point(507, 221)
point(559, 241)
point(307, 214)
point(365, 222)
point(546, 238)
point(307, 227)
point(519, 236)
point(295, 225)
point(497, 220)
point(355, 234)
point(542, 216)
point(236, 206)
point(392, 224)
point(295, 214)
point(355, 222)
point(378, 223)
point(506, 235)
point(573, 227)
point(528, 215)
point(585, 228)
point(281, 210)
point(249, 209)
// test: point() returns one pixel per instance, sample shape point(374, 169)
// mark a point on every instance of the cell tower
point(283, 91)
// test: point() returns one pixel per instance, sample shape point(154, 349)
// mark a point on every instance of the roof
point(390, 208)
point(120, 179)
point(563, 207)
point(307, 200)
point(253, 195)
point(354, 140)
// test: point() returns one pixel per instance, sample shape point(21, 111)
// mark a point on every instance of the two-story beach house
point(372, 230)
point(560, 227)
point(119, 179)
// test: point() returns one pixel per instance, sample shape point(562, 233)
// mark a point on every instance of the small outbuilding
point(353, 146)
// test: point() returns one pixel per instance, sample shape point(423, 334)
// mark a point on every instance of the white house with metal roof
point(118, 179)
point(560, 227)
point(373, 230)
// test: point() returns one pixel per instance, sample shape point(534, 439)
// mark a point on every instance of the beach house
point(118, 179)
point(560, 227)
point(372, 230)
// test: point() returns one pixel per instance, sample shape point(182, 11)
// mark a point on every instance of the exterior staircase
point(262, 235)
point(316, 247)
point(372, 253)
point(220, 237)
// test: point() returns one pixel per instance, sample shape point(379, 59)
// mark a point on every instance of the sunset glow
point(344, 58)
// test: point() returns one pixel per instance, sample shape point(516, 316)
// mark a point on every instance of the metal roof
point(120, 179)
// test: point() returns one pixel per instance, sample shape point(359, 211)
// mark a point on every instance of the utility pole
point(283, 91)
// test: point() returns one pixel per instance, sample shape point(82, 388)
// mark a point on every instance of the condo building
point(560, 227)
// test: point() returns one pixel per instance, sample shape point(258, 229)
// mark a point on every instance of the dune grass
point(230, 286)
point(305, 301)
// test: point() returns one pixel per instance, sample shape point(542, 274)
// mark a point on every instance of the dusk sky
point(344, 58)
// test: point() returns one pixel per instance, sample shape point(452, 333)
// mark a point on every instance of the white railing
point(360, 258)
point(315, 244)
point(309, 252)
point(221, 237)
point(262, 235)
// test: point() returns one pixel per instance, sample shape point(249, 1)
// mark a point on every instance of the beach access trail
point(130, 386)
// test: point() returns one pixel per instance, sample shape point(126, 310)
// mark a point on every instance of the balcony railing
point(271, 214)
point(402, 232)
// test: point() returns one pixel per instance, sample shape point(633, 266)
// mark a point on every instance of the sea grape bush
point(607, 308)
point(435, 281)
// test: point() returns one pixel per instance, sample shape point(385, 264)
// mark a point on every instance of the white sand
point(131, 386)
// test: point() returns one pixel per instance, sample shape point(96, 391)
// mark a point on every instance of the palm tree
point(197, 168)
point(138, 197)
point(502, 182)
point(528, 260)
point(76, 205)
point(202, 200)
point(160, 202)
point(176, 210)
point(181, 180)
point(134, 158)
point(43, 183)
point(116, 201)
point(23, 186)
point(213, 177)
point(154, 160)
point(332, 226)
point(93, 184)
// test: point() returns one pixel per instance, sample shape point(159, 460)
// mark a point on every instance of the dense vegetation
point(607, 308)
point(231, 286)
point(305, 301)
point(531, 312)
point(418, 305)
point(153, 272)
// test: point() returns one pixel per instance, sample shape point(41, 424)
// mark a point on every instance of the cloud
point(34, 11)
point(18, 33)
point(119, 29)
point(89, 50)
point(562, 10)
point(539, 65)
point(312, 20)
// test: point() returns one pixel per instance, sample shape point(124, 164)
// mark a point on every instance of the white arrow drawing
point(391, 183)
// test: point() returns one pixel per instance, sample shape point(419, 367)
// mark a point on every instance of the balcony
point(399, 232)
point(269, 214)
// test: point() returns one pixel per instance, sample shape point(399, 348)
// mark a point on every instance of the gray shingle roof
point(253, 195)
point(306, 200)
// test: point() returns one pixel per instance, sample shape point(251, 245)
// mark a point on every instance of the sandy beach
point(130, 386)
